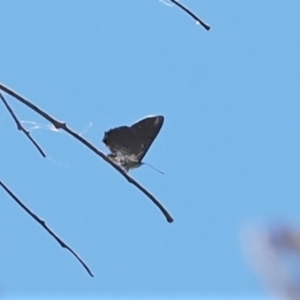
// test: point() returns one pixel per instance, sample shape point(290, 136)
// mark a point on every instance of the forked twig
point(20, 127)
point(63, 126)
point(44, 225)
point(194, 16)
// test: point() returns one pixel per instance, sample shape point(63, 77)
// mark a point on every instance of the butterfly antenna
point(159, 171)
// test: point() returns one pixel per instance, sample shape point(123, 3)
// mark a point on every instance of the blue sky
point(229, 146)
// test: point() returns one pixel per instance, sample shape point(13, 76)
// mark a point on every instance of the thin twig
point(44, 225)
point(120, 170)
point(63, 126)
point(194, 16)
point(20, 127)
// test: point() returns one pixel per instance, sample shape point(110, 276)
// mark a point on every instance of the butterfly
point(129, 145)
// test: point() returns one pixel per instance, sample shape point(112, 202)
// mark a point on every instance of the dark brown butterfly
point(129, 145)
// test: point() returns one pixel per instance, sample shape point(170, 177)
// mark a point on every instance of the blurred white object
point(274, 254)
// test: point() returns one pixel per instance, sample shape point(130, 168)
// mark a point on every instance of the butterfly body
point(129, 145)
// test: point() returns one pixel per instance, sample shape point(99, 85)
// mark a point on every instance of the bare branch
point(63, 126)
point(20, 127)
point(194, 16)
point(44, 225)
point(120, 170)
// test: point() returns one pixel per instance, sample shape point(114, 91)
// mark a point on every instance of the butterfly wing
point(144, 133)
point(134, 140)
point(117, 139)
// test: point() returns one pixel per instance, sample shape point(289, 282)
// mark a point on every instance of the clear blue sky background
point(230, 143)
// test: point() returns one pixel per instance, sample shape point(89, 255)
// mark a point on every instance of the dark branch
point(188, 11)
point(20, 127)
point(63, 126)
point(120, 170)
point(44, 225)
